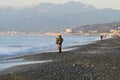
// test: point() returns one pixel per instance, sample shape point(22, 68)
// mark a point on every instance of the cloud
point(28, 3)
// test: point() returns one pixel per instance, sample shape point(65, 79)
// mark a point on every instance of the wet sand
point(96, 61)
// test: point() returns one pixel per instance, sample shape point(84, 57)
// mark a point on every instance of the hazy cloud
point(27, 3)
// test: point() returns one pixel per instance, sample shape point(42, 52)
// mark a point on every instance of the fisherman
point(59, 41)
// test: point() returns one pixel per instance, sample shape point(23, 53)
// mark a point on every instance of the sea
point(19, 45)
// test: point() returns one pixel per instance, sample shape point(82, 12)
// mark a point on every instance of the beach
point(99, 60)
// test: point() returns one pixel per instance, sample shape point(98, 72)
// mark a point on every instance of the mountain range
point(100, 28)
point(54, 17)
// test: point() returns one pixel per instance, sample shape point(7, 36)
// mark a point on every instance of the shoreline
point(5, 64)
point(10, 60)
point(44, 47)
point(94, 61)
point(67, 48)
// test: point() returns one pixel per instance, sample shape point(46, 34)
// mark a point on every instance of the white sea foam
point(11, 51)
point(22, 50)
point(17, 62)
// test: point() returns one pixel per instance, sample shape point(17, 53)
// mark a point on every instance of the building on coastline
point(69, 30)
point(51, 34)
point(115, 32)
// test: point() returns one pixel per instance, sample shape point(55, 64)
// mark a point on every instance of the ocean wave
point(19, 50)
point(12, 51)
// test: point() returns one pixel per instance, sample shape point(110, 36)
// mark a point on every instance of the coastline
point(94, 61)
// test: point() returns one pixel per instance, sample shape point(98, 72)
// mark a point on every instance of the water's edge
point(4, 64)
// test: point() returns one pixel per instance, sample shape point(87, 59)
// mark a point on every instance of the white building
point(69, 30)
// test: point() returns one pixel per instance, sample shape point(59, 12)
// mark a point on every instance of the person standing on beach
point(59, 41)
point(101, 36)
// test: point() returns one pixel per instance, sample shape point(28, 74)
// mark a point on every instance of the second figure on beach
point(59, 41)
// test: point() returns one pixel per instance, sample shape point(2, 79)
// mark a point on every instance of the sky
point(113, 4)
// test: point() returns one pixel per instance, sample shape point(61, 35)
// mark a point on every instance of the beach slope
point(95, 61)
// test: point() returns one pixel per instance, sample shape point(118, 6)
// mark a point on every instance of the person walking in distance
point(59, 41)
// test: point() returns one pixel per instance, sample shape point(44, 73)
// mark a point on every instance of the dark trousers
point(59, 47)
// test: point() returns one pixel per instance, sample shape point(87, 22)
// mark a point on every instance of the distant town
point(68, 31)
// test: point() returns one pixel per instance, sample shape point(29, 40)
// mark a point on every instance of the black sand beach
point(95, 61)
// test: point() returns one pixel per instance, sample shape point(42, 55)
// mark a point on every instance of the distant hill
point(99, 27)
point(52, 17)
